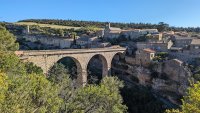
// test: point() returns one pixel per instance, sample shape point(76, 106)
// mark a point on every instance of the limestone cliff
point(168, 79)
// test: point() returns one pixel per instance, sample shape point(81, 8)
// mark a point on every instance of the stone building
point(83, 40)
point(154, 37)
point(144, 56)
point(148, 31)
point(195, 46)
point(160, 46)
point(100, 33)
point(180, 41)
point(132, 34)
point(86, 41)
point(186, 54)
point(182, 34)
point(113, 32)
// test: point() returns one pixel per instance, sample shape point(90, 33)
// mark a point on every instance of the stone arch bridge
point(47, 58)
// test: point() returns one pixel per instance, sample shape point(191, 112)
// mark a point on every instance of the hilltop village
point(180, 45)
point(156, 63)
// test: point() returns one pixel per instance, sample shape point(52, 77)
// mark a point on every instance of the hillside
point(47, 25)
point(160, 26)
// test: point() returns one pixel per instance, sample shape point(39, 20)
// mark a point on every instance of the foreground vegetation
point(191, 102)
point(25, 89)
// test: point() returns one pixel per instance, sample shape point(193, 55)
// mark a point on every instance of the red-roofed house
point(145, 56)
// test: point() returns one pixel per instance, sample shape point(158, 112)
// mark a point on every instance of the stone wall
point(54, 41)
point(185, 55)
point(132, 34)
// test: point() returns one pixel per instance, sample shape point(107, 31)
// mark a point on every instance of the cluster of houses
point(177, 44)
point(113, 32)
point(68, 41)
point(182, 47)
point(92, 40)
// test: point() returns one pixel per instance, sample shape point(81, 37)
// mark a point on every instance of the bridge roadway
point(47, 58)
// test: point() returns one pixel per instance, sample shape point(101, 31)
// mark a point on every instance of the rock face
point(173, 79)
point(168, 79)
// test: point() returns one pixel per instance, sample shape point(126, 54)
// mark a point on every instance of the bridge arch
point(101, 68)
point(117, 57)
point(73, 66)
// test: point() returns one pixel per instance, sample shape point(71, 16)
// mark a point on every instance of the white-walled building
point(113, 32)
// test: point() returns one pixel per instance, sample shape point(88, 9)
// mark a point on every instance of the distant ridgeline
point(76, 23)
point(160, 26)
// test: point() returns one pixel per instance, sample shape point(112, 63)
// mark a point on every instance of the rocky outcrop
point(176, 77)
point(169, 79)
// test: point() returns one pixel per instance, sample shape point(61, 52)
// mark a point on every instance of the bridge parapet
point(67, 51)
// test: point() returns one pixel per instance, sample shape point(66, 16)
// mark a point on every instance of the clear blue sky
point(174, 12)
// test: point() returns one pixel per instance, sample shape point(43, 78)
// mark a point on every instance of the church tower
point(27, 29)
point(108, 26)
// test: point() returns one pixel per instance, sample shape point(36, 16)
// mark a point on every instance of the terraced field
point(47, 25)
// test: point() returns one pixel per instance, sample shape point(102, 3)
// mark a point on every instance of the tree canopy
point(10, 63)
point(191, 102)
point(7, 41)
point(24, 89)
point(32, 93)
point(3, 87)
point(103, 98)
